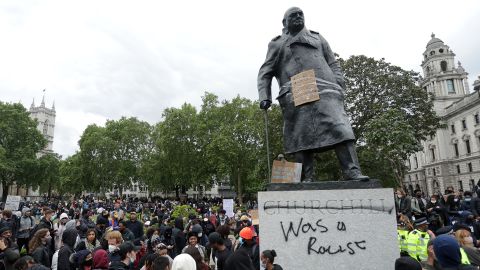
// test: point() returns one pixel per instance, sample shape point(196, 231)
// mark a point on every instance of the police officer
point(417, 240)
point(402, 233)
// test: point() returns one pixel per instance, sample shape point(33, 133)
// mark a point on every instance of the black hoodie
point(69, 238)
point(239, 261)
point(178, 235)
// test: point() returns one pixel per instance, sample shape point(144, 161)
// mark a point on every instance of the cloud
point(105, 59)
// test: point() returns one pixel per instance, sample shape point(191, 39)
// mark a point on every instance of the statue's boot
point(307, 159)
point(347, 157)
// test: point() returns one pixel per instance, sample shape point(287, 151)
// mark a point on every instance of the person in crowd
point(152, 239)
point(59, 229)
point(447, 252)
point(222, 218)
point(26, 224)
point(39, 247)
point(128, 254)
point(249, 244)
point(418, 239)
point(202, 238)
point(267, 259)
point(239, 260)
point(436, 213)
point(45, 222)
point(178, 235)
point(199, 259)
point(466, 203)
point(193, 242)
point(465, 240)
point(135, 226)
point(82, 259)
point(168, 241)
point(90, 243)
point(127, 235)
point(220, 252)
point(404, 263)
point(403, 203)
point(114, 240)
point(418, 205)
point(100, 260)
point(69, 238)
point(224, 231)
point(8, 220)
point(162, 250)
point(113, 221)
point(184, 262)
point(148, 261)
point(9, 253)
point(85, 224)
point(160, 263)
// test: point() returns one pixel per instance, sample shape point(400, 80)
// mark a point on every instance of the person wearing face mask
point(59, 229)
point(469, 254)
point(114, 239)
point(222, 218)
point(418, 205)
point(466, 204)
point(403, 203)
point(128, 254)
point(435, 213)
point(267, 258)
point(39, 249)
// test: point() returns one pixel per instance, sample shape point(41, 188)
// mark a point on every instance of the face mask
point(111, 248)
point(455, 200)
point(399, 196)
point(241, 241)
point(264, 265)
point(467, 199)
point(433, 201)
point(468, 240)
point(132, 259)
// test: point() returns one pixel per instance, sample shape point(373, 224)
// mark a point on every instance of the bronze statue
point(319, 125)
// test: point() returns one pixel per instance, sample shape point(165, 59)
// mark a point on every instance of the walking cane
point(268, 146)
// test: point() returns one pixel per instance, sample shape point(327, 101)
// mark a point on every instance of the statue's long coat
point(317, 125)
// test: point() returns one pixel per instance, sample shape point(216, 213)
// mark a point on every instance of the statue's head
point(293, 20)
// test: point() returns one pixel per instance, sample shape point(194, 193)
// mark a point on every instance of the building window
point(464, 124)
point(416, 162)
point(432, 151)
point(470, 169)
point(45, 128)
point(460, 185)
point(477, 119)
point(434, 172)
point(458, 169)
point(443, 65)
point(455, 149)
point(467, 146)
point(450, 87)
point(471, 184)
point(409, 178)
point(452, 126)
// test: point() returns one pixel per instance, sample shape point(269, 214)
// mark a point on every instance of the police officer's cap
point(421, 221)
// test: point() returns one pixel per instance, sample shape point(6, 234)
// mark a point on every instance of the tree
point(20, 141)
point(49, 173)
point(390, 115)
point(72, 179)
point(112, 156)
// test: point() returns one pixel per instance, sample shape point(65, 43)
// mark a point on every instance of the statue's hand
point(265, 104)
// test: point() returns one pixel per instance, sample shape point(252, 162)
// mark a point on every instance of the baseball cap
point(246, 233)
point(63, 215)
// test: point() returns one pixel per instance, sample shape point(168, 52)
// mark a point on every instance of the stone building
point(46, 122)
point(452, 156)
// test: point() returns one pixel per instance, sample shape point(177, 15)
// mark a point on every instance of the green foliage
point(183, 211)
point(20, 141)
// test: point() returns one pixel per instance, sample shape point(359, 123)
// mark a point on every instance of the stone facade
point(452, 156)
point(46, 122)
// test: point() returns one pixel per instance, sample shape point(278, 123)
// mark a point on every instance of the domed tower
point(446, 81)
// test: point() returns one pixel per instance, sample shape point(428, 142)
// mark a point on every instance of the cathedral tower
point(46, 122)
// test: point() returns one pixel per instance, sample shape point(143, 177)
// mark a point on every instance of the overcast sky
point(102, 60)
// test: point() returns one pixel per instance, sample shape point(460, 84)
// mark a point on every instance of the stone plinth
point(329, 229)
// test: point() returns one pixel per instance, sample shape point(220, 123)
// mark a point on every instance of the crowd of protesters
point(441, 231)
point(90, 234)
